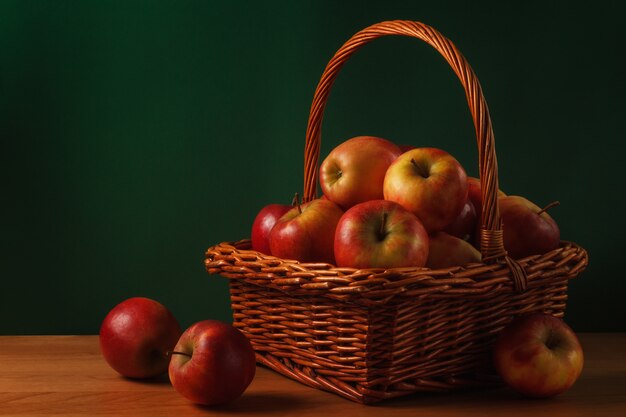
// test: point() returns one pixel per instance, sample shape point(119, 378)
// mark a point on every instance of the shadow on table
point(163, 379)
point(478, 403)
point(262, 403)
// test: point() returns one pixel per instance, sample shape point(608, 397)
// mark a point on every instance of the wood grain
point(66, 376)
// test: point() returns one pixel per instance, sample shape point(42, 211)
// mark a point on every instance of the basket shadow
point(261, 403)
point(480, 401)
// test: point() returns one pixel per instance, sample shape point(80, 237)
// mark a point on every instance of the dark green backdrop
point(136, 134)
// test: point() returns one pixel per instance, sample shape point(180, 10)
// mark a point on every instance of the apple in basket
point(538, 355)
point(430, 183)
point(264, 223)
point(464, 225)
point(354, 171)
point(528, 230)
point(474, 195)
point(136, 335)
point(306, 232)
point(380, 234)
point(212, 363)
point(446, 250)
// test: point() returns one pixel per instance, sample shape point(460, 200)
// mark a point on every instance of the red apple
point(474, 195)
point(527, 229)
point(430, 183)
point(212, 363)
point(464, 225)
point(446, 250)
point(306, 232)
point(263, 225)
point(380, 234)
point(136, 335)
point(405, 148)
point(538, 355)
point(354, 171)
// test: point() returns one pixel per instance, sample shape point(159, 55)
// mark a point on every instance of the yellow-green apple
point(380, 234)
point(474, 195)
point(212, 363)
point(264, 223)
point(306, 232)
point(538, 355)
point(446, 250)
point(136, 335)
point(430, 183)
point(464, 225)
point(528, 230)
point(354, 171)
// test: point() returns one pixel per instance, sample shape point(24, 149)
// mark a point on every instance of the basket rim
point(235, 260)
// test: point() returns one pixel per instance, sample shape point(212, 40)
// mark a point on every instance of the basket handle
point(491, 239)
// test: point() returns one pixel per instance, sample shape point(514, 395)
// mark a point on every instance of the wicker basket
point(374, 334)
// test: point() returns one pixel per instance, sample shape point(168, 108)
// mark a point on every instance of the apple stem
point(420, 169)
point(381, 232)
point(174, 352)
point(548, 207)
point(296, 202)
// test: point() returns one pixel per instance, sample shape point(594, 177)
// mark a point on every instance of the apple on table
point(136, 335)
point(538, 355)
point(212, 363)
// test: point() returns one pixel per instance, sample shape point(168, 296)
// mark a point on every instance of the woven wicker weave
point(374, 334)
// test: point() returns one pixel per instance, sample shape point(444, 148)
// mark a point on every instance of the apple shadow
point(163, 379)
point(260, 403)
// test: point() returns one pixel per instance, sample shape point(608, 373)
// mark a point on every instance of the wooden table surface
point(66, 375)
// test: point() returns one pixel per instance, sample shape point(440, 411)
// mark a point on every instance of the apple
point(263, 225)
point(474, 195)
point(306, 232)
point(354, 171)
point(380, 234)
point(136, 335)
point(430, 183)
point(446, 250)
point(212, 363)
point(405, 148)
point(464, 225)
point(538, 355)
point(528, 230)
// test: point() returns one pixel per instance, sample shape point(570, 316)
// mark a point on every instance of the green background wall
point(136, 134)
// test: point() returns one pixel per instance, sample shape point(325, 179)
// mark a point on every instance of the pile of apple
point(387, 206)
point(210, 363)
